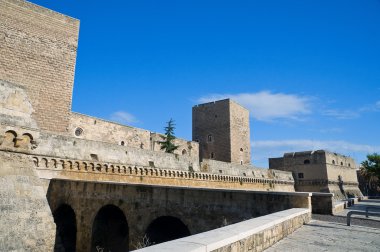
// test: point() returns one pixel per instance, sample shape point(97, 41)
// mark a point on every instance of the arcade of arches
point(110, 230)
point(116, 217)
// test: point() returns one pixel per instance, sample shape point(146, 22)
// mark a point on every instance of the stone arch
point(110, 230)
point(166, 228)
point(77, 165)
point(24, 141)
point(9, 138)
point(36, 161)
point(66, 228)
point(45, 163)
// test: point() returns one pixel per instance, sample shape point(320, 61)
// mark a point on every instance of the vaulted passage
point(110, 230)
point(166, 228)
point(65, 237)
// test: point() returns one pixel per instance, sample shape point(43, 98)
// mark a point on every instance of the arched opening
point(110, 230)
point(166, 228)
point(66, 229)
point(184, 152)
point(9, 138)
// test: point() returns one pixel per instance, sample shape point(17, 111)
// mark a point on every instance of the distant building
point(320, 171)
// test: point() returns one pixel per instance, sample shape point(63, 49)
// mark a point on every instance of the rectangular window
point(300, 175)
point(209, 138)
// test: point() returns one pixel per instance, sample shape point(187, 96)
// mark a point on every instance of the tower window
point(78, 131)
point(300, 175)
point(209, 138)
point(241, 149)
point(184, 152)
point(341, 163)
point(212, 155)
point(241, 162)
point(306, 161)
point(333, 161)
point(122, 143)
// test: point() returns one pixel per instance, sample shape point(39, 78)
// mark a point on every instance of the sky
point(308, 71)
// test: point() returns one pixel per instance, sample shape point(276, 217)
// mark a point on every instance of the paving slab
point(329, 236)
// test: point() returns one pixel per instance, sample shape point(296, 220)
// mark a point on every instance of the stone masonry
point(222, 130)
point(38, 51)
point(320, 171)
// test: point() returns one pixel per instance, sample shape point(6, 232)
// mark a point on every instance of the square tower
point(222, 130)
point(38, 53)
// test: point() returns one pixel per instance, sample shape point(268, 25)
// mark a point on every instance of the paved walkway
point(329, 236)
point(361, 206)
point(330, 233)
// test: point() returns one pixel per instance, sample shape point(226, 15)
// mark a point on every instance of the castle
point(320, 171)
point(65, 174)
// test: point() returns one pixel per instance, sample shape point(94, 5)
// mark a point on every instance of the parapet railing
point(61, 164)
point(370, 207)
point(350, 213)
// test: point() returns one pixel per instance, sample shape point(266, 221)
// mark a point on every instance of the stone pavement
point(361, 206)
point(329, 236)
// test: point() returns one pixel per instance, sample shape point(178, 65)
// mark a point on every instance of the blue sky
point(309, 71)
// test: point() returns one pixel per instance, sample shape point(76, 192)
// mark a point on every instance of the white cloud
point(123, 117)
point(267, 106)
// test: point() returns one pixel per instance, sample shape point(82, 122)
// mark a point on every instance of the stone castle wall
point(240, 134)
point(320, 171)
point(38, 51)
point(26, 222)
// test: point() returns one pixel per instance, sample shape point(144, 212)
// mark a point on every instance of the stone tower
point(38, 49)
point(222, 130)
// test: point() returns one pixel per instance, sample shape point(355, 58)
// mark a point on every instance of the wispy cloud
point(267, 106)
point(341, 114)
point(123, 117)
point(353, 113)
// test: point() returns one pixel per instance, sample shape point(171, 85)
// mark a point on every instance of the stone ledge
point(257, 234)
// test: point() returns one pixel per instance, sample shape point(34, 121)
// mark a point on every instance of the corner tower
point(222, 130)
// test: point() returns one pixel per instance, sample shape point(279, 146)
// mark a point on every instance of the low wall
point(322, 203)
point(252, 235)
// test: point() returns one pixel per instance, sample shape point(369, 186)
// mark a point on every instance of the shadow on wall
point(110, 230)
point(166, 228)
point(66, 229)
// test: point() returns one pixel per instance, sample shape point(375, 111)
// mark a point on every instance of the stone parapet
point(253, 235)
point(86, 170)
